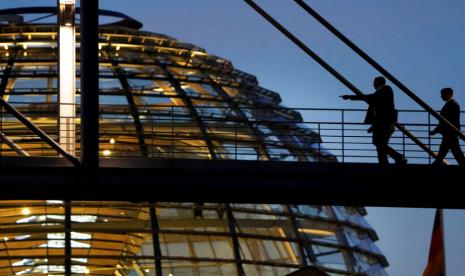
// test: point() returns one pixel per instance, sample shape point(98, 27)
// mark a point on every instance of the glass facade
point(162, 98)
point(120, 238)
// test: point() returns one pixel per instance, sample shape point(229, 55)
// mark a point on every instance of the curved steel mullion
point(242, 116)
point(300, 238)
point(349, 259)
point(193, 112)
point(132, 104)
point(3, 85)
point(7, 72)
point(290, 147)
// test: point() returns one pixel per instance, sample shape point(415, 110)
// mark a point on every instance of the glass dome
point(162, 98)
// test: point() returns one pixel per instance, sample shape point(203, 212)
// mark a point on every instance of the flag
point(436, 261)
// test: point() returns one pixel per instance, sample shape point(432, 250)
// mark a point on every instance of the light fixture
point(147, 270)
point(5, 238)
point(86, 271)
point(317, 232)
point(26, 211)
point(67, 75)
point(112, 141)
point(107, 152)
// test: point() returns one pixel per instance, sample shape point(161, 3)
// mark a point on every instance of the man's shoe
point(402, 161)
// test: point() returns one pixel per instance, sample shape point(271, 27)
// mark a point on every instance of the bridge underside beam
point(160, 180)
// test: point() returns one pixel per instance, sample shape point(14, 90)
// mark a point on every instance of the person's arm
point(367, 98)
point(448, 112)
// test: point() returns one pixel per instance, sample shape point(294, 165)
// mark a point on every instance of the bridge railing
point(206, 132)
point(345, 136)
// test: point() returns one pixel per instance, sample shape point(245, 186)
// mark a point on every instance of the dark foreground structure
point(168, 100)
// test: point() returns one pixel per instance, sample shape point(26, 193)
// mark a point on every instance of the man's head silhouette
point(379, 82)
point(447, 93)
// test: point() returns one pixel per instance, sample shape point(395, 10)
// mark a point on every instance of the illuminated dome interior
point(160, 97)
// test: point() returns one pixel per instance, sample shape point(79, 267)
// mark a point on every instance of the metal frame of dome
point(195, 104)
point(125, 21)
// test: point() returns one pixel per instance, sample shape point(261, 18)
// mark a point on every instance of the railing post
point(403, 143)
point(256, 127)
point(235, 141)
point(1, 130)
point(319, 141)
point(172, 132)
point(343, 136)
point(429, 135)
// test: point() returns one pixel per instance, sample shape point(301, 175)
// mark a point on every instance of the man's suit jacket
point(451, 112)
point(381, 106)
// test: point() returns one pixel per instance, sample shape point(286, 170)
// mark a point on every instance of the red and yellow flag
point(436, 261)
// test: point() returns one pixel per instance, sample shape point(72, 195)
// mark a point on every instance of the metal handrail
point(324, 130)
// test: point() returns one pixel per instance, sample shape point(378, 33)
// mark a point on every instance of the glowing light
point(147, 270)
point(67, 76)
point(107, 152)
point(86, 271)
point(26, 211)
point(112, 141)
point(5, 238)
point(316, 232)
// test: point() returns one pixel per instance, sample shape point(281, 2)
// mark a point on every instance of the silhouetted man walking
point(382, 115)
point(450, 140)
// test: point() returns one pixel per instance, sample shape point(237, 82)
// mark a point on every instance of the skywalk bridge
point(337, 167)
point(332, 162)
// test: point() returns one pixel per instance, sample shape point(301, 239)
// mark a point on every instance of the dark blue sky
point(422, 42)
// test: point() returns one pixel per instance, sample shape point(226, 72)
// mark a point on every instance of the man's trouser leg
point(454, 145)
point(380, 140)
point(443, 150)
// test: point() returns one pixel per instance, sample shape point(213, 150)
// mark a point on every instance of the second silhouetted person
point(450, 139)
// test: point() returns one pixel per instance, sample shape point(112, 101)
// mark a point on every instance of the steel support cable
point(378, 67)
point(37, 131)
point(328, 67)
